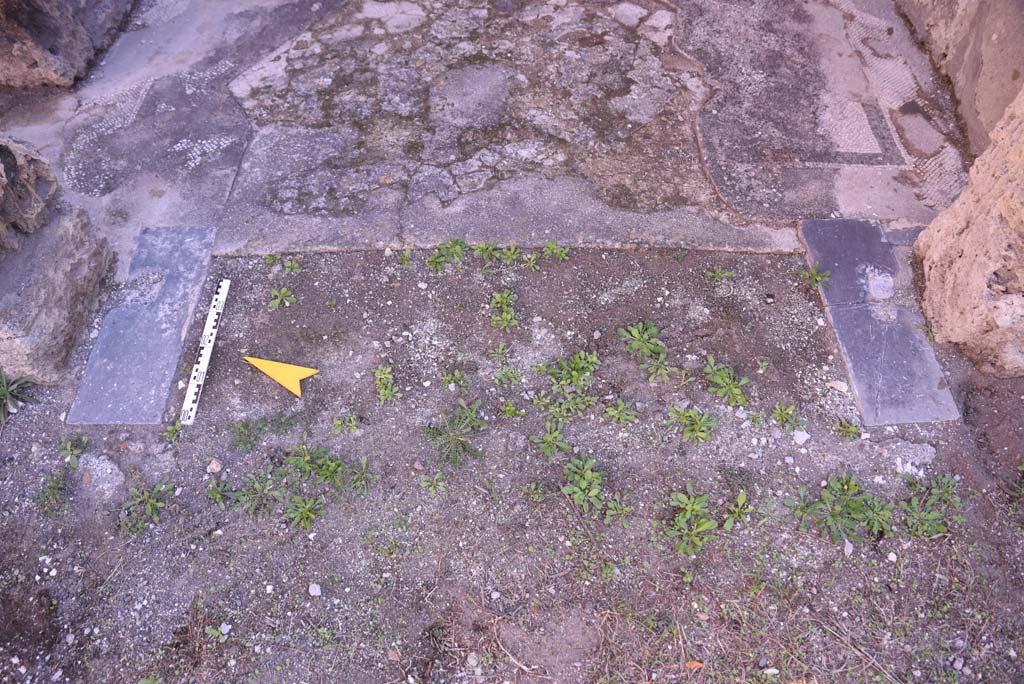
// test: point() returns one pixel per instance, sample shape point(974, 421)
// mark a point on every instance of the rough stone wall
point(979, 45)
point(28, 191)
point(51, 42)
point(973, 256)
point(51, 266)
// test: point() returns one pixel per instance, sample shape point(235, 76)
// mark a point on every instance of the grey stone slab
point(903, 236)
point(133, 362)
point(893, 369)
point(862, 264)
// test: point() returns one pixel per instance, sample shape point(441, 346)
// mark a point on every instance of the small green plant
point(616, 510)
point(292, 266)
point(143, 506)
point(814, 276)
point(697, 425)
point(722, 382)
point(658, 368)
point(926, 328)
point(302, 511)
point(847, 429)
point(433, 484)
point(931, 512)
point(405, 258)
point(684, 377)
point(260, 494)
point(583, 484)
point(531, 262)
point(71, 448)
point(451, 435)
point(620, 412)
point(303, 458)
point(719, 274)
point(280, 297)
point(509, 255)
point(271, 259)
point(215, 634)
point(448, 253)
point(642, 340)
point(345, 424)
point(762, 366)
point(13, 394)
point(843, 509)
point(456, 377)
point(693, 525)
point(508, 376)
point(737, 511)
point(172, 432)
point(384, 381)
point(52, 497)
point(504, 316)
point(552, 250)
point(534, 491)
point(499, 353)
point(487, 251)
point(574, 374)
point(552, 441)
point(360, 478)
point(785, 416)
point(510, 410)
point(802, 508)
point(220, 494)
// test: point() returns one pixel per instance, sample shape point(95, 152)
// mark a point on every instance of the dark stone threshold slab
point(893, 370)
point(133, 362)
point(856, 253)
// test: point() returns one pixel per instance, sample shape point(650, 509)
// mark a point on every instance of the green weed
point(722, 382)
point(302, 511)
point(292, 266)
point(508, 376)
point(451, 435)
point(510, 410)
point(785, 416)
point(697, 425)
point(71, 448)
point(552, 441)
point(14, 393)
point(172, 432)
point(345, 424)
point(433, 484)
point(143, 506)
point(693, 525)
point(448, 253)
point(583, 484)
point(642, 340)
point(620, 412)
point(52, 497)
point(384, 382)
point(814, 276)
point(281, 297)
point(719, 274)
point(552, 250)
point(847, 429)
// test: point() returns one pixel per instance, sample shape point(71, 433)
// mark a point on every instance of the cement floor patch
point(132, 364)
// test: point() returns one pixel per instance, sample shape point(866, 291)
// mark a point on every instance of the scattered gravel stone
point(214, 467)
point(800, 437)
point(314, 589)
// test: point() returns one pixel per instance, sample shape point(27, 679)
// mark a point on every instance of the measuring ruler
point(198, 377)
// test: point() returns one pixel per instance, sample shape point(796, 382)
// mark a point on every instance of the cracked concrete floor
point(318, 126)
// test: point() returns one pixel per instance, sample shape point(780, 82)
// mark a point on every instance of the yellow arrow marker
point(285, 374)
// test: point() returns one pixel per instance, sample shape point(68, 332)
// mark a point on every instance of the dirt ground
point(489, 572)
